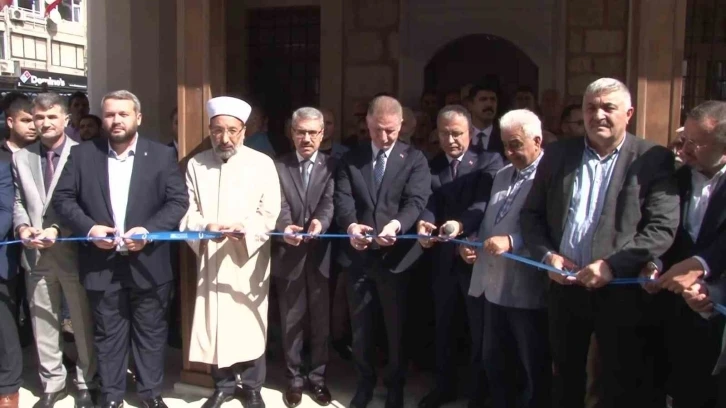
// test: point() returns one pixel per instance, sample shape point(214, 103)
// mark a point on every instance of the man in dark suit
point(691, 343)
point(485, 134)
point(381, 189)
point(301, 267)
point(11, 355)
point(461, 180)
point(601, 207)
point(116, 188)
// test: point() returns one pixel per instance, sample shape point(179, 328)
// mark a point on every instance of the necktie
point(380, 168)
point(49, 170)
point(480, 137)
point(306, 173)
point(504, 209)
point(453, 166)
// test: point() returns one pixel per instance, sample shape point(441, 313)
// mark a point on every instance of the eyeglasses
point(455, 135)
point(219, 132)
point(689, 143)
point(301, 133)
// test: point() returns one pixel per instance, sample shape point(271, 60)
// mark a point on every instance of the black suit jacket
point(711, 241)
point(495, 144)
point(403, 194)
point(157, 200)
point(640, 212)
point(300, 208)
point(463, 199)
point(9, 254)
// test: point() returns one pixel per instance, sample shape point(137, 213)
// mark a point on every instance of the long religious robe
point(230, 312)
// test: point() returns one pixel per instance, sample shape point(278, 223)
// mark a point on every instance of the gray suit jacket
point(503, 281)
point(32, 207)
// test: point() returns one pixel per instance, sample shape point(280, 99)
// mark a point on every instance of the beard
point(125, 138)
point(225, 155)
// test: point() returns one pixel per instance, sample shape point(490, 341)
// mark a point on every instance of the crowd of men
point(621, 309)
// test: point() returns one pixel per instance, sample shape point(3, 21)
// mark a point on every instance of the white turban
point(225, 105)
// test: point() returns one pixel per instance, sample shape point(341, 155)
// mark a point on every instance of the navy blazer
point(157, 200)
point(403, 194)
point(8, 253)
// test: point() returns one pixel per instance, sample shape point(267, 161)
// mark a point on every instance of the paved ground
point(341, 380)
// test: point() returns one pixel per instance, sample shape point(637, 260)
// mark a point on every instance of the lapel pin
point(145, 153)
point(401, 155)
point(471, 162)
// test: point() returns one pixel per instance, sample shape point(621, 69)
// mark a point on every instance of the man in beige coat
point(235, 190)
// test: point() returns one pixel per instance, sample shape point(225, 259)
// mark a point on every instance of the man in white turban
point(234, 190)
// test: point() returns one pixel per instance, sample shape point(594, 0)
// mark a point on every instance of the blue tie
point(379, 169)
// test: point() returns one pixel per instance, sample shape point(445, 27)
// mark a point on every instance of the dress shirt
point(484, 141)
point(312, 160)
point(588, 196)
point(518, 179)
point(450, 159)
point(73, 133)
point(119, 182)
point(701, 192)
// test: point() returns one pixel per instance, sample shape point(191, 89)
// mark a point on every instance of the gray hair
point(308, 113)
point(48, 100)
point(711, 111)
point(450, 112)
point(607, 86)
point(524, 120)
point(123, 95)
point(385, 105)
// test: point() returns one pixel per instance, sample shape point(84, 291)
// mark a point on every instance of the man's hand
point(359, 241)
point(387, 236)
point(450, 230)
point(650, 271)
point(211, 227)
point(681, 276)
point(467, 253)
point(235, 232)
point(315, 228)
point(46, 238)
point(135, 245)
point(560, 262)
point(425, 228)
point(498, 245)
point(697, 298)
point(102, 231)
point(27, 234)
point(290, 236)
point(595, 275)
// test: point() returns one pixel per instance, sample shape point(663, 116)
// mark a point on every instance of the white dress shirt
point(484, 140)
point(119, 181)
point(701, 192)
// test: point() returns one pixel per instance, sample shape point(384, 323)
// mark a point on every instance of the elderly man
point(461, 180)
point(52, 268)
point(693, 343)
point(515, 317)
point(233, 190)
point(301, 267)
point(112, 190)
point(381, 189)
point(601, 217)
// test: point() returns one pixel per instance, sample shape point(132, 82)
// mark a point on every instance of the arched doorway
point(472, 58)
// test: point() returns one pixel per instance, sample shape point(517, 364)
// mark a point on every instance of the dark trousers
point(372, 288)
point(612, 314)
point(449, 288)
point(517, 337)
point(304, 303)
point(11, 355)
point(686, 347)
point(251, 374)
point(124, 316)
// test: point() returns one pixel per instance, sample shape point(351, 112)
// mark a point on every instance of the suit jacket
point(711, 241)
point(8, 261)
point(32, 207)
point(299, 208)
point(640, 211)
point(157, 200)
point(495, 144)
point(403, 194)
point(717, 294)
point(463, 199)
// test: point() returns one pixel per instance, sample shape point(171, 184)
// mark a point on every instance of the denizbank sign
point(37, 79)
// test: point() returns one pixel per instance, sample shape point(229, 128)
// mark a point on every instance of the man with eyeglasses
point(461, 180)
point(695, 263)
point(233, 190)
point(572, 123)
point(301, 266)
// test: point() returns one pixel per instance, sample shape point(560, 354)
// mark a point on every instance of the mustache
point(488, 110)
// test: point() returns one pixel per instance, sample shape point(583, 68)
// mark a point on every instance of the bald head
point(385, 106)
